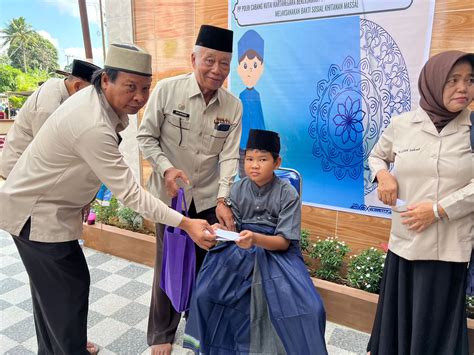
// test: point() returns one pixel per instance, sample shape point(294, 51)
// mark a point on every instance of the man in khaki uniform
point(191, 132)
point(39, 106)
point(59, 173)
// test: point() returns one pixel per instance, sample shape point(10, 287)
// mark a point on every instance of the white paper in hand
point(226, 236)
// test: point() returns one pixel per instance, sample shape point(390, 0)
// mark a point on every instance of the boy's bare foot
point(161, 349)
point(92, 348)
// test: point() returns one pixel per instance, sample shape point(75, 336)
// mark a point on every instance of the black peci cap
point(264, 140)
point(83, 70)
point(216, 38)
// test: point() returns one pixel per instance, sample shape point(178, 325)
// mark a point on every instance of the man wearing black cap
point(190, 134)
point(59, 173)
point(39, 106)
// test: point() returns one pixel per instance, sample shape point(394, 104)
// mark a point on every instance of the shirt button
point(258, 207)
point(197, 152)
point(200, 134)
point(259, 218)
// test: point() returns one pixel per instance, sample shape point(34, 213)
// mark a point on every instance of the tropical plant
point(107, 213)
point(68, 67)
point(331, 253)
point(8, 76)
point(4, 60)
point(115, 214)
point(27, 49)
point(366, 269)
point(470, 306)
point(304, 240)
point(41, 55)
point(14, 80)
point(17, 35)
point(129, 218)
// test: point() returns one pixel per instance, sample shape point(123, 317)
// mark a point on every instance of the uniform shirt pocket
point(176, 128)
point(216, 141)
point(398, 229)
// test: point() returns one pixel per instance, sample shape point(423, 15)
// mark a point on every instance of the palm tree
point(17, 35)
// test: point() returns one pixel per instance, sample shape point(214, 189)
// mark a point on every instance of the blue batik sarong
point(255, 301)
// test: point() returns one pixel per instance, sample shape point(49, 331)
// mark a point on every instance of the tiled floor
point(118, 312)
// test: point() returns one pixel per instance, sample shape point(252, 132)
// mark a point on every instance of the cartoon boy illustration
point(250, 69)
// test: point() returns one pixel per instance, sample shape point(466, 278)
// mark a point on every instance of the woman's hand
point(387, 189)
point(419, 216)
point(246, 239)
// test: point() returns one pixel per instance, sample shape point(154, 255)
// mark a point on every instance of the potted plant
point(120, 231)
point(351, 297)
point(344, 303)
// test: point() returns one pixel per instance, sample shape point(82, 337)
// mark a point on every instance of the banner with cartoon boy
point(328, 76)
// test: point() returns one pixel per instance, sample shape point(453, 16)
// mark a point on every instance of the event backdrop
point(328, 76)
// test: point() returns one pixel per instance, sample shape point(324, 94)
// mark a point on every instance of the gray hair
point(197, 49)
point(96, 77)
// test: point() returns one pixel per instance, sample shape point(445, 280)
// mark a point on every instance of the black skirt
point(421, 309)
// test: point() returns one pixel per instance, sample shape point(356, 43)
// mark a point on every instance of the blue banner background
point(297, 56)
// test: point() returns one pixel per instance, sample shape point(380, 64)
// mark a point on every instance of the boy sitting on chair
point(255, 295)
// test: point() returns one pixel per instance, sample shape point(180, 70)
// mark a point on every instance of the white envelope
point(223, 235)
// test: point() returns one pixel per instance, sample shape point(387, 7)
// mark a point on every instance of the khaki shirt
point(178, 130)
point(435, 167)
point(39, 106)
point(61, 170)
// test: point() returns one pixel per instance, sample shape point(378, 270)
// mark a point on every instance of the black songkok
point(83, 70)
point(216, 38)
point(264, 140)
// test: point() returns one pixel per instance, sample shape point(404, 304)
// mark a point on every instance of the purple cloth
point(178, 271)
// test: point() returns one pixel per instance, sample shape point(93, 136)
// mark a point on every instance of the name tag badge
point(408, 150)
point(181, 114)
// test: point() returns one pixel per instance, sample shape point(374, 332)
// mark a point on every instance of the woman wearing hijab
point(421, 307)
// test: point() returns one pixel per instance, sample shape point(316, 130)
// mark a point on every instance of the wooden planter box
point(470, 334)
point(348, 306)
point(123, 243)
point(356, 308)
point(344, 305)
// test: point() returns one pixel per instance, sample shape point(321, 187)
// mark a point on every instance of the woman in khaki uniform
point(421, 307)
